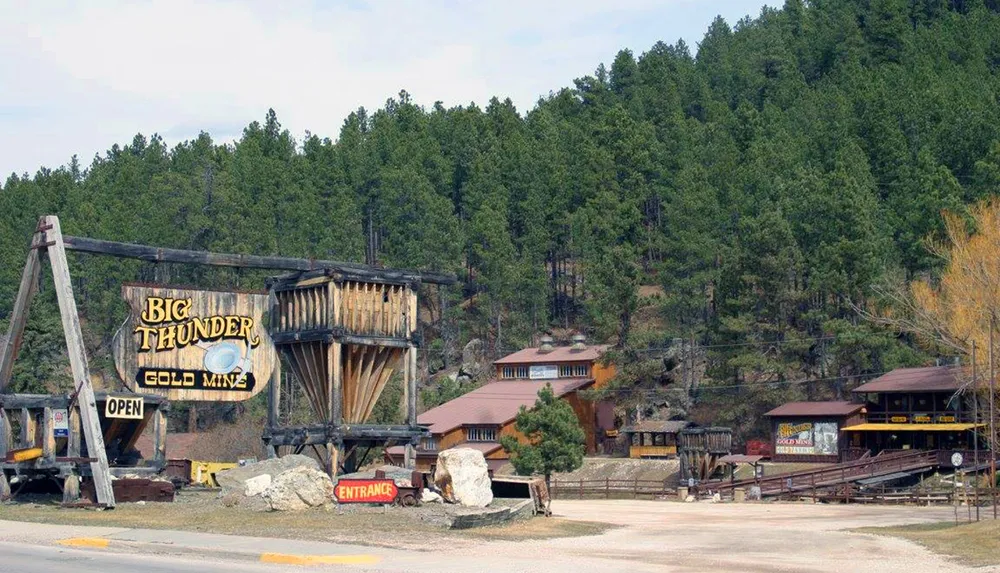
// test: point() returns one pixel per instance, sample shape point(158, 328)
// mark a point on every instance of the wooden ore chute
point(700, 450)
point(344, 336)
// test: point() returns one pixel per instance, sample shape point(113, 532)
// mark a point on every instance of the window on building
point(522, 371)
point(480, 434)
point(508, 372)
point(581, 370)
point(429, 445)
point(565, 371)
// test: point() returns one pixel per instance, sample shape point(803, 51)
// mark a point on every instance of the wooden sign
point(366, 491)
point(187, 344)
point(124, 407)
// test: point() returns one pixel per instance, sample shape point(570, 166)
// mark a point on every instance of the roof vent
point(546, 345)
point(579, 342)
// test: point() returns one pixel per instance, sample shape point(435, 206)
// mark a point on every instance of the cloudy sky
point(76, 77)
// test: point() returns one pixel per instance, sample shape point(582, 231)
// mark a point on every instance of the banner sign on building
point(543, 372)
point(187, 344)
point(366, 491)
point(807, 438)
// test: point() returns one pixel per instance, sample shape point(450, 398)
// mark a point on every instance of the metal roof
point(554, 356)
point(659, 426)
point(484, 447)
point(494, 404)
point(831, 408)
point(930, 379)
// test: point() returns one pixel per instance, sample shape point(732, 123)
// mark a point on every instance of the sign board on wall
point(366, 491)
point(60, 423)
point(807, 438)
point(187, 344)
point(124, 407)
point(543, 372)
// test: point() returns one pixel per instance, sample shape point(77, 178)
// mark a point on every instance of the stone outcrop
point(463, 477)
point(235, 479)
point(474, 360)
point(299, 488)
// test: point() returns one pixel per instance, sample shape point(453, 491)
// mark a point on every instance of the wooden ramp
point(899, 463)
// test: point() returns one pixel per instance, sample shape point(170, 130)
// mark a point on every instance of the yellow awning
point(910, 427)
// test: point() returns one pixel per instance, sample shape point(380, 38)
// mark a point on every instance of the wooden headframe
point(48, 239)
point(344, 336)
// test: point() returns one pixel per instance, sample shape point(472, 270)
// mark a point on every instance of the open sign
point(124, 407)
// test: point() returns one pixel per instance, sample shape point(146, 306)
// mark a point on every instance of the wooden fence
point(612, 488)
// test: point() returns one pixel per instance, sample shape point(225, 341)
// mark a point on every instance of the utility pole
point(992, 434)
point(975, 426)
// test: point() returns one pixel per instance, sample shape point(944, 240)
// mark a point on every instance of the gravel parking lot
point(663, 536)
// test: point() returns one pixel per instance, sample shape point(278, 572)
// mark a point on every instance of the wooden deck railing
point(848, 472)
point(611, 488)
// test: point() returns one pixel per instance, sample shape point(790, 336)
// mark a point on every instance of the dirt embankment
point(623, 469)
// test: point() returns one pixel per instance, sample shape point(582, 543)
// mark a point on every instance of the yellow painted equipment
point(24, 455)
point(203, 473)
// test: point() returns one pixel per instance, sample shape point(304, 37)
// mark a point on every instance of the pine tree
point(555, 440)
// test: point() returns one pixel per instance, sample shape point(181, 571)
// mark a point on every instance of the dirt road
point(651, 537)
point(699, 537)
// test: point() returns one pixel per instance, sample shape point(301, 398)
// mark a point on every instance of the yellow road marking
point(284, 559)
point(84, 542)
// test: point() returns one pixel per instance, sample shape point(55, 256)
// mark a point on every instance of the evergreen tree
point(555, 440)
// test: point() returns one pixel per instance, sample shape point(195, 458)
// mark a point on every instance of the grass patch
point(539, 528)
point(395, 527)
point(976, 544)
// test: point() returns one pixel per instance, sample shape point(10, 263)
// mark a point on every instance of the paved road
point(26, 558)
point(652, 537)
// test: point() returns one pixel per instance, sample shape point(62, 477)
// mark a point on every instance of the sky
point(77, 77)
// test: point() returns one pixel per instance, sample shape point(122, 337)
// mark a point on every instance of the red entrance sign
point(366, 491)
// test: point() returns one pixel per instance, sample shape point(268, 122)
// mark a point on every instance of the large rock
point(257, 485)
point(463, 477)
point(299, 488)
point(235, 479)
point(473, 359)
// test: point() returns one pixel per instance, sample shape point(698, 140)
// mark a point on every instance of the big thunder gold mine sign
point(194, 344)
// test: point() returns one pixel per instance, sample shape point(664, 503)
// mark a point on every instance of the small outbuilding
point(654, 438)
point(811, 431)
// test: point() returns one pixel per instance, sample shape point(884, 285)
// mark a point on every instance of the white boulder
point(256, 485)
point(428, 496)
point(299, 488)
point(463, 477)
point(235, 479)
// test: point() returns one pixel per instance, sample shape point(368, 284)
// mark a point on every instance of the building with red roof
point(480, 418)
point(906, 409)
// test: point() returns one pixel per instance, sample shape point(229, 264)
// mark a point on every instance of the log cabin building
point(906, 409)
point(480, 418)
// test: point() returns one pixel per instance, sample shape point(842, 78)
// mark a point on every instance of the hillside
point(763, 185)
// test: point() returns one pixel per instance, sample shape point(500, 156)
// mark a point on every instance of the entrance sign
point(124, 407)
point(366, 491)
point(187, 344)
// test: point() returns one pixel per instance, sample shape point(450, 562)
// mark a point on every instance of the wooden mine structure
point(343, 329)
point(700, 450)
point(344, 336)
